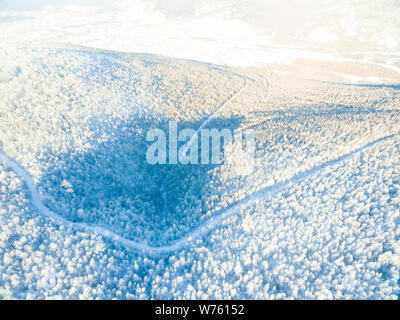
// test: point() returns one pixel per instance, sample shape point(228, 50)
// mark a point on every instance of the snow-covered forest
point(83, 215)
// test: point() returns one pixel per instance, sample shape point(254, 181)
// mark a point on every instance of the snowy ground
point(83, 215)
point(232, 32)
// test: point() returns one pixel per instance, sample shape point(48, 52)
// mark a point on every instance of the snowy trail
point(211, 117)
point(192, 236)
point(298, 178)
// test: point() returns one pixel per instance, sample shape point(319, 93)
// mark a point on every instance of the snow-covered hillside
point(83, 215)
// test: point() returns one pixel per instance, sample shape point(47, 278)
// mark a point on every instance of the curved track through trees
point(211, 224)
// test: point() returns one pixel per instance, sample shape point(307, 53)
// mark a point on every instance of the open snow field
point(84, 215)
